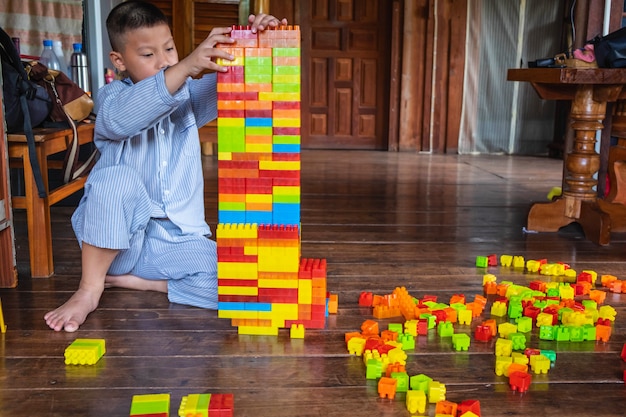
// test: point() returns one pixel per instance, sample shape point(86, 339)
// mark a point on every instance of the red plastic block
point(520, 381)
point(365, 299)
point(469, 405)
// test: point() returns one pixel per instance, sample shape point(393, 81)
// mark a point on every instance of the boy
point(141, 222)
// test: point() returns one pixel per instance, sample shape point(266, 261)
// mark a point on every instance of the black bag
point(610, 50)
point(26, 104)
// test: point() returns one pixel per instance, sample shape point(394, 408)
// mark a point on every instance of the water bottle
point(48, 57)
point(57, 47)
point(79, 68)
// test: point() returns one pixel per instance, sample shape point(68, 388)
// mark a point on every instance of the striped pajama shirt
point(145, 196)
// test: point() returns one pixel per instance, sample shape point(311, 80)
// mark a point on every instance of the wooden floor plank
point(382, 220)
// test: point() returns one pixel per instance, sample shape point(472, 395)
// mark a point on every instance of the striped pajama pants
point(115, 213)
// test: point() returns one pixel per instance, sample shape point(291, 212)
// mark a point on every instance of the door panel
point(345, 73)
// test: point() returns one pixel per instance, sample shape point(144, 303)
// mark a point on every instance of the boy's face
point(145, 52)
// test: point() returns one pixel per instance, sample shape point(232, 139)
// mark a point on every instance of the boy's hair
point(131, 15)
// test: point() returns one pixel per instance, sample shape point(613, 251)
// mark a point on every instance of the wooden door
point(345, 73)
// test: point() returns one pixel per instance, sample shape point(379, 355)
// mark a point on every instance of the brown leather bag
point(68, 98)
point(71, 105)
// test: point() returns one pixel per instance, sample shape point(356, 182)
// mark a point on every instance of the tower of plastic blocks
point(263, 283)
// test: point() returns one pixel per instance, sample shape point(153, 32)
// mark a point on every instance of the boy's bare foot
point(73, 313)
point(134, 282)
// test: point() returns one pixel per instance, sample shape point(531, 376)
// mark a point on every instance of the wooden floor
point(381, 220)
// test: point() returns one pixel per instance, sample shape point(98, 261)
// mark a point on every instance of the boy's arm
point(203, 57)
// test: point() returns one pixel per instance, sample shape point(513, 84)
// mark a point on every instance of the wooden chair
point(48, 141)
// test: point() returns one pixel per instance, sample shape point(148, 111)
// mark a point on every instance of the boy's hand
point(263, 21)
point(204, 56)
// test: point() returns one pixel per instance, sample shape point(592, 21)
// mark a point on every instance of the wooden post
point(261, 6)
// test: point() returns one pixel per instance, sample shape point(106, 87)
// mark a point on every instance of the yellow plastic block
point(279, 259)
point(228, 230)
point(286, 79)
point(285, 310)
point(231, 121)
point(278, 283)
point(237, 270)
point(239, 61)
point(84, 351)
point(279, 165)
point(287, 122)
point(259, 147)
point(258, 198)
point(286, 190)
point(3, 327)
point(271, 96)
point(257, 330)
point(305, 289)
point(237, 290)
point(297, 331)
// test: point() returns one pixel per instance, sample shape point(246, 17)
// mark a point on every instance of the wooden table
point(589, 90)
point(48, 141)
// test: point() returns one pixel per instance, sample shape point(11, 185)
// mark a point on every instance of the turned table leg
point(578, 203)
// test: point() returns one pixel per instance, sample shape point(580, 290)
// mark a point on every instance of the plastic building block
point(333, 303)
point(446, 408)
point(369, 327)
point(469, 406)
point(524, 324)
point(483, 333)
point(502, 364)
point(297, 331)
point(460, 341)
point(436, 392)
point(420, 382)
point(387, 387)
point(506, 260)
point(194, 405)
point(403, 381)
point(374, 369)
point(407, 340)
point(465, 317)
point(150, 405)
point(520, 381)
point(539, 364)
point(504, 347)
point(445, 329)
point(505, 329)
point(3, 327)
point(84, 351)
point(482, 262)
point(519, 341)
point(416, 401)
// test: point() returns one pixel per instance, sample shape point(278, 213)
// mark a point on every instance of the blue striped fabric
point(150, 167)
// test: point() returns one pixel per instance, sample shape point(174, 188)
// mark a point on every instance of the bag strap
point(72, 168)
point(32, 152)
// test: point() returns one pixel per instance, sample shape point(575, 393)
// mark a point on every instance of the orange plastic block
point(446, 408)
point(369, 328)
point(603, 333)
point(387, 387)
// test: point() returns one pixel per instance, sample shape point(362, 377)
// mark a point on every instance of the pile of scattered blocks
point(568, 308)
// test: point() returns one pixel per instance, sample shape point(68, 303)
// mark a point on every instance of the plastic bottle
point(79, 69)
point(57, 47)
point(48, 57)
